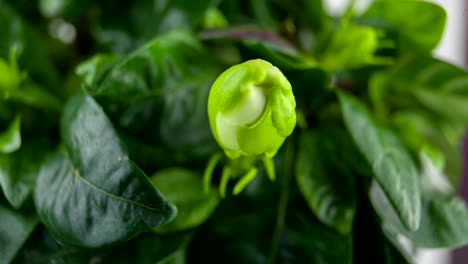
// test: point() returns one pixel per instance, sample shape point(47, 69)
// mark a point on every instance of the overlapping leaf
point(89, 193)
point(392, 165)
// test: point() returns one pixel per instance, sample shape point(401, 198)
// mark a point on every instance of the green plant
point(107, 154)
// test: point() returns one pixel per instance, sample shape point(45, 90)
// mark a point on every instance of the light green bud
point(251, 109)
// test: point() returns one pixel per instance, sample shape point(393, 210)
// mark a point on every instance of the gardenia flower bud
point(251, 109)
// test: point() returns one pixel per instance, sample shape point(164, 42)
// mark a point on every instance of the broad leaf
point(19, 171)
point(124, 25)
point(159, 93)
point(95, 69)
point(434, 95)
point(421, 34)
point(89, 193)
point(184, 189)
point(323, 179)
point(264, 44)
point(10, 139)
point(443, 217)
point(146, 248)
point(15, 228)
point(392, 165)
point(305, 240)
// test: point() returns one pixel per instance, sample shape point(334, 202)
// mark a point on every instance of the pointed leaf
point(89, 193)
point(393, 167)
point(10, 140)
point(324, 181)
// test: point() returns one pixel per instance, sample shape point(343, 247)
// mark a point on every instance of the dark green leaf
point(307, 241)
point(146, 248)
point(36, 96)
point(421, 34)
point(32, 52)
point(89, 193)
point(134, 23)
point(159, 93)
point(393, 167)
point(10, 139)
point(95, 69)
point(265, 44)
point(433, 94)
point(15, 228)
point(443, 220)
point(323, 179)
point(63, 8)
point(19, 171)
point(184, 189)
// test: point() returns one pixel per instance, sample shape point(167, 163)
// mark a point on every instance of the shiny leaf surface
point(324, 181)
point(89, 193)
point(392, 165)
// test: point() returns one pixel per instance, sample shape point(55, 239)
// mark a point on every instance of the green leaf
point(146, 248)
point(36, 96)
point(15, 228)
point(89, 193)
point(443, 218)
point(265, 44)
point(306, 241)
point(351, 46)
point(19, 171)
point(95, 69)
point(443, 224)
point(393, 167)
point(423, 81)
point(184, 189)
point(10, 140)
point(134, 23)
point(63, 8)
point(160, 92)
point(421, 34)
point(323, 179)
point(33, 53)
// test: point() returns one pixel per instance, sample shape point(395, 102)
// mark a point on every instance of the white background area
point(451, 49)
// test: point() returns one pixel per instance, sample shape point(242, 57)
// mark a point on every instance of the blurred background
point(453, 48)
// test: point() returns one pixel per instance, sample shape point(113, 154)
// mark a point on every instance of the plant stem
point(283, 203)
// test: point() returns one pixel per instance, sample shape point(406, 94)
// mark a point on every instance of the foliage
point(106, 152)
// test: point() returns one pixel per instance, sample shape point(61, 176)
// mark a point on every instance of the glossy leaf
point(392, 165)
point(89, 193)
point(324, 180)
point(160, 94)
point(10, 139)
point(184, 189)
point(15, 228)
point(146, 248)
point(443, 215)
point(134, 23)
point(265, 44)
point(19, 171)
point(95, 69)
point(420, 34)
